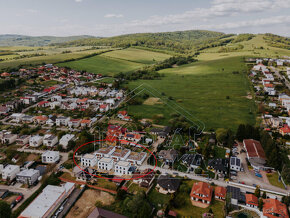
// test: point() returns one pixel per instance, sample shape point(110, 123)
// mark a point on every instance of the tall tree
point(241, 132)
point(5, 210)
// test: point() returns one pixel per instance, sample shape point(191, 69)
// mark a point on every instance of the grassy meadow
point(201, 88)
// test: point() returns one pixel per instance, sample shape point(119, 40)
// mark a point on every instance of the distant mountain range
point(22, 40)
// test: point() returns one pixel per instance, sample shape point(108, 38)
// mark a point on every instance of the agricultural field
point(103, 65)
point(49, 55)
point(137, 55)
point(209, 90)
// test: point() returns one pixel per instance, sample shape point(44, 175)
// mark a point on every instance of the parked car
point(258, 175)
point(19, 198)
point(13, 204)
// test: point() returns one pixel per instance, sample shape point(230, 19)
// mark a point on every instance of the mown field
point(207, 89)
point(114, 62)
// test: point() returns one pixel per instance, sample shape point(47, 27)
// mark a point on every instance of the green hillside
point(21, 40)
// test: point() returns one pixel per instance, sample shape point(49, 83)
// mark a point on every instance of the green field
point(202, 88)
point(137, 55)
point(103, 65)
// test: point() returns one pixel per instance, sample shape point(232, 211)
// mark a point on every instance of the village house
point(89, 160)
point(122, 114)
point(144, 179)
point(285, 130)
point(22, 140)
point(274, 208)
point(43, 104)
point(133, 137)
point(219, 165)
point(86, 123)
point(201, 192)
point(17, 117)
point(35, 141)
point(192, 161)
point(220, 193)
point(74, 123)
point(50, 140)
point(10, 171)
point(163, 133)
point(4, 110)
point(65, 140)
point(9, 138)
point(54, 104)
point(122, 168)
point(167, 184)
point(27, 119)
point(28, 176)
point(137, 158)
point(40, 119)
point(276, 122)
point(251, 200)
point(168, 156)
point(62, 121)
point(104, 108)
point(106, 163)
point(50, 157)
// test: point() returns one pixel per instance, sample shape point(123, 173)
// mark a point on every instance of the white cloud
point(114, 16)
point(78, 1)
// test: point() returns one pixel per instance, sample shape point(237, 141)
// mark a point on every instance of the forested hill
point(21, 40)
point(180, 41)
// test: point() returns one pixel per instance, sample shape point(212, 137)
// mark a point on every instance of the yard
point(134, 188)
point(157, 199)
point(273, 179)
point(188, 210)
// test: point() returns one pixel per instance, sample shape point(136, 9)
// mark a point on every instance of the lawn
point(137, 55)
point(207, 92)
point(134, 188)
point(157, 199)
point(273, 179)
point(103, 65)
point(188, 210)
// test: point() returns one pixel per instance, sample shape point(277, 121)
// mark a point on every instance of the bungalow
point(104, 107)
point(106, 163)
point(167, 184)
point(85, 123)
point(50, 157)
point(9, 139)
point(54, 104)
point(144, 179)
point(43, 104)
point(168, 156)
point(122, 168)
point(22, 140)
point(201, 192)
point(40, 119)
point(220, 193)
point(137, 158)
point(51, 121)
point(65, 140)
point(274, 208)
point(74, 123)
point(122, 114)
point(89, 160)
point(219, 165)
point(192, 161)
point(163, 133)
point(50, 140)
point(35, 141)
point(27, 119)
point(62, 121)
point(17, 117)
point(133, 137)
point(251, 200)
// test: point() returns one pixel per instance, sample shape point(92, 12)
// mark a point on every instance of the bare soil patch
point(86, 204)
point(152, 101)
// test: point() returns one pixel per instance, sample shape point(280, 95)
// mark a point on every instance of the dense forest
point(277, 41)
point(180, 41)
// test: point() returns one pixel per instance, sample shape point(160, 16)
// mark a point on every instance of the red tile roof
point(274, 206)
point(254, 148)
point(285, 129)
point(251, 199)
point(220, 191)
point(124, 113)
point(201, 188)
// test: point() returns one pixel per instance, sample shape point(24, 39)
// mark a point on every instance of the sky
point(116, 17)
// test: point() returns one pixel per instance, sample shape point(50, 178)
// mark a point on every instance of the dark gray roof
point(191, 159)
point(167, 182)
point(235, 193)
point(102, 213)
point(219, 164)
